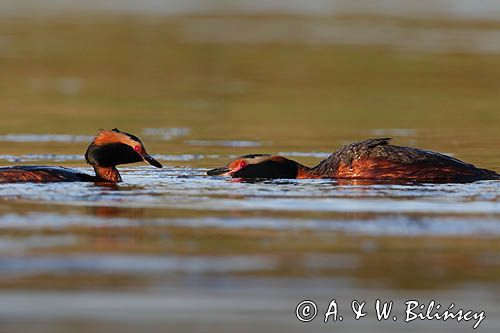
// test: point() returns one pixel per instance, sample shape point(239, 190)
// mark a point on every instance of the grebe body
point(373, 159)
point(42, 174)
point(107, 150)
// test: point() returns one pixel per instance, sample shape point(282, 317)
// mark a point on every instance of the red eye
point(243, 164)
point(137, 148)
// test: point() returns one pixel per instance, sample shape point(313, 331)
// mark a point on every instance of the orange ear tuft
point(104, 137)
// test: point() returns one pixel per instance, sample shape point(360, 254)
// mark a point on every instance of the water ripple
point(190, 189)
point(385, 225)
point(167, 133)
point(45, 138)
point(224, 143)
point(132, 264)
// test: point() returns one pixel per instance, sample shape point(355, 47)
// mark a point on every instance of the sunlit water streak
point(224, 143)
point(132, 264)
point(75, 157)
point(468, 9)
point(167, 133)
point(14, 245)
point(45, 138)
point(392, 224)
point(190, 189)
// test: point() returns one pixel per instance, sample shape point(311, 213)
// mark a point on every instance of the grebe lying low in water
point(107, 150)
point(373, 159)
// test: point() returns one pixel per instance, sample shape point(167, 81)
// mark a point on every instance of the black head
point(111, 148)
point(258, 166)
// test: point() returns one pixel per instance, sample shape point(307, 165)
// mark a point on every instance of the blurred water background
point(204, 81)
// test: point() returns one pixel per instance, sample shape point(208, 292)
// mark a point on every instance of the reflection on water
point(174, 198)
point(359, 31)
point(142, 265)
point(232, 143)
point(41, 157)
point(414, 8)
point(177, 229)
point(166, 133)
point(45, 138)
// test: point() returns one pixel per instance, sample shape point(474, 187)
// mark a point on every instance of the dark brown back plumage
point(373, 159)
point(377, 159)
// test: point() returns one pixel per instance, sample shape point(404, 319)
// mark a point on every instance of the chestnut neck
point(108, 174)
point(324, 169)
point(303, 172)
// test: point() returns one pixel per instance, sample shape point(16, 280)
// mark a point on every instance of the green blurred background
point(279, 74)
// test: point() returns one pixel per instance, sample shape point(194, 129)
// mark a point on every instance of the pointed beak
point(218, 171)
point(152, 161)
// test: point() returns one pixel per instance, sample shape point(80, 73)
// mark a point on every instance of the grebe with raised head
point(107, 150)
